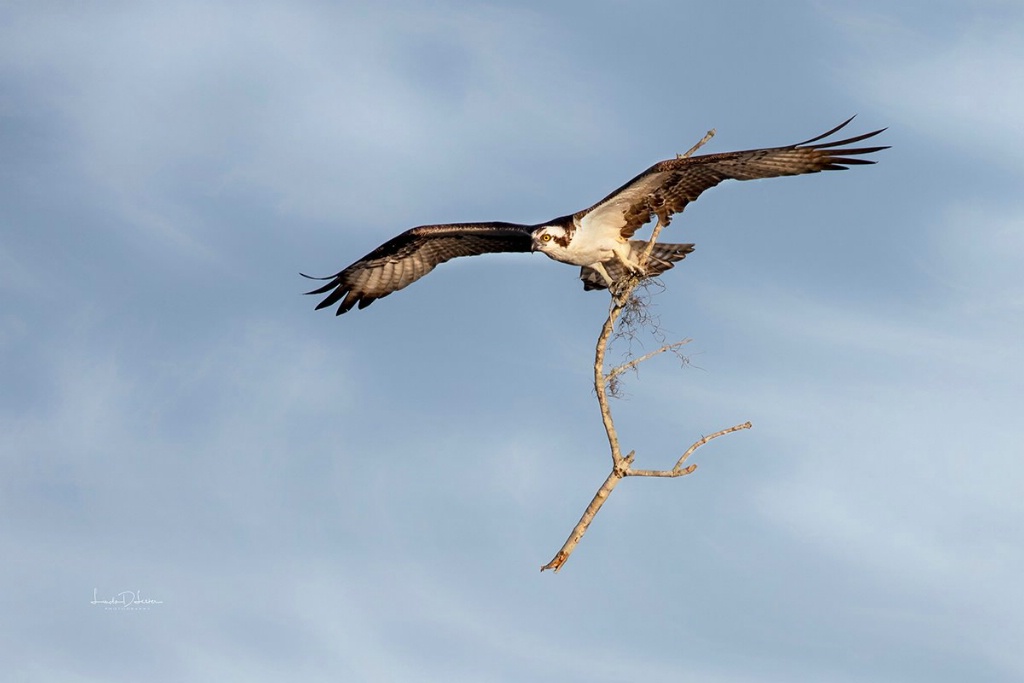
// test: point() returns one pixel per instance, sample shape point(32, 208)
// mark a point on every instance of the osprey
point(596, 239)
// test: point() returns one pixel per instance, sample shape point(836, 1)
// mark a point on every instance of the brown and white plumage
point(597, 238)
point(668, 186)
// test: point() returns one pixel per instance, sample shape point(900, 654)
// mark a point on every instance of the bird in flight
point(598, 238)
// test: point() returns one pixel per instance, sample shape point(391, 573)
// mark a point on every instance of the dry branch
point(622, 298)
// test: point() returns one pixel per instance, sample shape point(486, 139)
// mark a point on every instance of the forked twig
point(614, 477)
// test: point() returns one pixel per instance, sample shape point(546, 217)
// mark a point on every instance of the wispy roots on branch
point(631, 312)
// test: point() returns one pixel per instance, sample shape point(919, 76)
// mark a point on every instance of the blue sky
point(369, 498)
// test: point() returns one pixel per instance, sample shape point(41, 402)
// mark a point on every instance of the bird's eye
point(545, 237)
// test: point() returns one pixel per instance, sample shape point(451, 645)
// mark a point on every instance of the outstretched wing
point(406, 258)
point(668, 186)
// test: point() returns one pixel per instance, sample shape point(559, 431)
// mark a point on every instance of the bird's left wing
point(406, 258)
point(668, 186)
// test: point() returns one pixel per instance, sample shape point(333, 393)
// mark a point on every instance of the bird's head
point(550, 239)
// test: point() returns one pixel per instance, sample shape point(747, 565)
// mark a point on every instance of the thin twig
point(704, 439)
point(678, 470)
point(615, 372)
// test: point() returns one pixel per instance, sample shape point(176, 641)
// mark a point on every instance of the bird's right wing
point(406, 258)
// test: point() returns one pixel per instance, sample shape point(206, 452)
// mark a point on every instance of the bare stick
point(622, 465)
point(614, 477)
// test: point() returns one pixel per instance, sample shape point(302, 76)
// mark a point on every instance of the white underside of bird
point(591, 247)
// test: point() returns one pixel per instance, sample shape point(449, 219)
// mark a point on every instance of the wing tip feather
point(827, 134)
point(845, 141)
point(314, 277)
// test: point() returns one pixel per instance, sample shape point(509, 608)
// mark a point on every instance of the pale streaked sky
point(369, 498)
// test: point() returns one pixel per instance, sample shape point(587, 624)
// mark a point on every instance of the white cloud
point(901, 461)
point(192, 426)
point(313, 110)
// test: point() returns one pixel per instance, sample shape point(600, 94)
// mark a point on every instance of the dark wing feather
point(661, 258)
point(668, 186)
point(406, 258)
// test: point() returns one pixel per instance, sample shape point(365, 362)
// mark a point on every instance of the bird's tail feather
point(662, 257)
